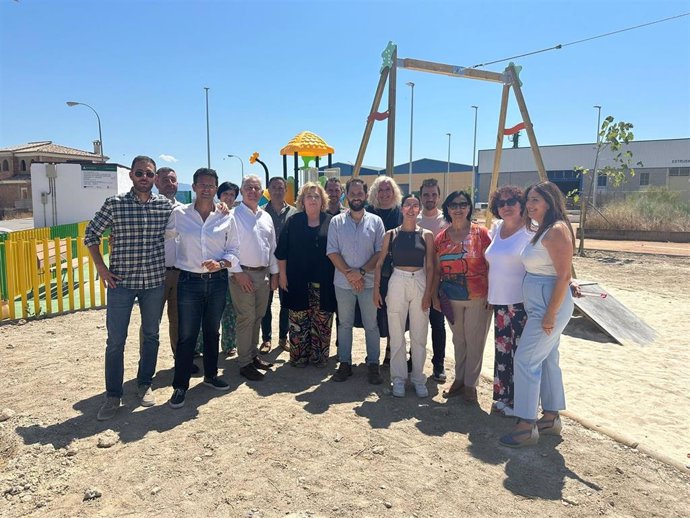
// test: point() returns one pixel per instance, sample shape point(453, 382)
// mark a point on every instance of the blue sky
point(277, 68)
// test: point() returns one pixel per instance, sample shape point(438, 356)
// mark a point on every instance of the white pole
point(409, 181)
point(474, 155)
point(447, 182)
point(595, 179)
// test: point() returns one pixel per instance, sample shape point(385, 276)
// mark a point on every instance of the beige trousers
point(472, 321)
point(250, 309)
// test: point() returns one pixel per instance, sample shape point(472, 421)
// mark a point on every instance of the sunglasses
point(461, 205)
point(511, 202)
point(149, 174)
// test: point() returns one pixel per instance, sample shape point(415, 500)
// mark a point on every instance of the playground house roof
point(307, 144)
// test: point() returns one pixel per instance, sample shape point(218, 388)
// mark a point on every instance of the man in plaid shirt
point(137, 220)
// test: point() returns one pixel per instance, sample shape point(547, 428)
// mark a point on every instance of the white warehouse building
point(665, 163)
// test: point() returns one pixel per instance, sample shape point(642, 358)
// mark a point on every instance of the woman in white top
point(548, 261)
point(506, 273)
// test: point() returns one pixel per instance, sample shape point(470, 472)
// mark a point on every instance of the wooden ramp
point(612, 317)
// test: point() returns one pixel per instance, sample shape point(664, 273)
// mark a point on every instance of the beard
point(356, 205)
point(429, 205)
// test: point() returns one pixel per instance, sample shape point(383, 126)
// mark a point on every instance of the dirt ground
point(297, 444)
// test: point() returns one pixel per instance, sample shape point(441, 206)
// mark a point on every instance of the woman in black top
point(306, 276)
point(384, 201)
point(411, 250)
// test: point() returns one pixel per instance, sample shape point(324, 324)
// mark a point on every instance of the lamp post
point(409, 182)
point(208, 137)
point(100, 135)
point(241, 163)
point(474, 153)
point(447, 182)
point(595, 178)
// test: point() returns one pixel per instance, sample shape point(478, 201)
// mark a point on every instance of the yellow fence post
point(11, 279)
point(80, 272)
point(70, 274)
point(58, 274)
point(47, 280)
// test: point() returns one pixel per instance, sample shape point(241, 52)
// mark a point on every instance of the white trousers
point(405, 292)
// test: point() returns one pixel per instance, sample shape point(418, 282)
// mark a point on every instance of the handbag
point(387, 266)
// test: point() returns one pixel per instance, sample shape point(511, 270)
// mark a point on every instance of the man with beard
point(137, 220)
point(355, 238)
point(431, 218)
point(334, 190)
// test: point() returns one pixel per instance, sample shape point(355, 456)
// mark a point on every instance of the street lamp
point(474, 153)
point(411, 85)
point(447, 182)
point(100, 135)
point(595, 178)
point(208, 137)
point(241, 163)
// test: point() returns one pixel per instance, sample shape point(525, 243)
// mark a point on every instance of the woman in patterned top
point(462, 280)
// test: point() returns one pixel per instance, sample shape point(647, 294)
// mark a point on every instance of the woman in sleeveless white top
point(509, 236)
point(549, 305)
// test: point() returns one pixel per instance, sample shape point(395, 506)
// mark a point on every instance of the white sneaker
point(421, 390)
point(145, 393)
point(399, 388)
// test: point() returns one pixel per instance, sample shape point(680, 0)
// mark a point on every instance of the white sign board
point(99, 179)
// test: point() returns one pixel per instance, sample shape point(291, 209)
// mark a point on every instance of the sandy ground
point(299, 445)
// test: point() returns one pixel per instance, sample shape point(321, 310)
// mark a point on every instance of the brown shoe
point(284, 345)
point(265, 347)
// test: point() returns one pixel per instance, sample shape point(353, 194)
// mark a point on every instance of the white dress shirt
point(198, 240)
point(170, 244)
point(258, 238)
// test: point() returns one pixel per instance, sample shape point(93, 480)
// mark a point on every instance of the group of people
point(387, 263)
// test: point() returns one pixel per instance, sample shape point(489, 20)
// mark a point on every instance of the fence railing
point(48, 271)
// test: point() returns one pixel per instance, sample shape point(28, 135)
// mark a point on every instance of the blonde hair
point(374, 191)
point(303, 192)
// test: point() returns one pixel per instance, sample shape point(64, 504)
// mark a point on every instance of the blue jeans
point(200, 302)
point(346, 313)
point(118, 313)
point(537, 374)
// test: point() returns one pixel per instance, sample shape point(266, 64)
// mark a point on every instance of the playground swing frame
point(509, 78)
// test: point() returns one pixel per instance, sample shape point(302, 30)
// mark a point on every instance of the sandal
point(265, 347)
point(454, 390)
point(510, 440)
point(551, 426)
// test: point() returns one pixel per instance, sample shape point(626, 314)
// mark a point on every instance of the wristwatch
point(223, 263)
point(362, 272)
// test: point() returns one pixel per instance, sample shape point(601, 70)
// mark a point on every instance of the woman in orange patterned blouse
point(462, 280)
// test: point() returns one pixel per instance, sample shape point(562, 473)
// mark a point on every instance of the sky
point(276, 68)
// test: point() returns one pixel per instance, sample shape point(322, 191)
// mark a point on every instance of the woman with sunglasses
point(506, 272)
point(462, 272)
point(411, 249)
point(548, 260)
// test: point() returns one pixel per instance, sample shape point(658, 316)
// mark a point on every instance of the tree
point(613, 136)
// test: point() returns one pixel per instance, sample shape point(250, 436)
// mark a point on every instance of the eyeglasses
point(312, 196)
point(461, 205)
point(511, 202)
point(206, 186)
point(149, 174)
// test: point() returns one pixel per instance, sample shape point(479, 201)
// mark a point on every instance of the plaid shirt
point(137, 252)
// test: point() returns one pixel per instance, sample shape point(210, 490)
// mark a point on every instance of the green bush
point(654, 209)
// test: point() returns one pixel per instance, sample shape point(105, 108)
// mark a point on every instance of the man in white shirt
point(254, 278)
point(431, 218)
point(206, 247)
